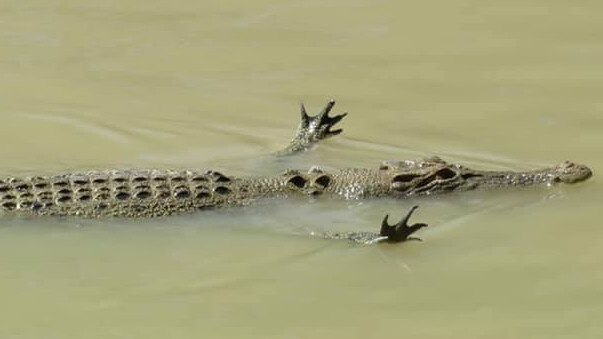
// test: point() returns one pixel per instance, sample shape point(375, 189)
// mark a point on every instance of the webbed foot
point(400, 231)
point(313, 129)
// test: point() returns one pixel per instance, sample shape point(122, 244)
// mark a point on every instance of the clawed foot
point(313, 129)
point(319, 126)
point(392, 234)
point(400, 231)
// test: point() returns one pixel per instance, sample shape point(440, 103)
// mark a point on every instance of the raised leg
point(313, 129)
point(389, 233)
point(400, 231)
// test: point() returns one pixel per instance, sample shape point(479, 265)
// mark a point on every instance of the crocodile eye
point(401, 182)
point(297, 180)
point(445, 173)
point(404, 178)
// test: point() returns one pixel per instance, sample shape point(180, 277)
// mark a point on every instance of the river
point(216, 84)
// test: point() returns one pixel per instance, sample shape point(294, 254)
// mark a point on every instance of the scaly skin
point(153, 193)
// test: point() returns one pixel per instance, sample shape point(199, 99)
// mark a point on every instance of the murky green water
point(213, 84)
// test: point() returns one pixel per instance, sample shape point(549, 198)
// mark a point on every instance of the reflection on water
point(216, 85)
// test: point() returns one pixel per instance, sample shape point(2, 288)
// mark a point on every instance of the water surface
point(210, 84)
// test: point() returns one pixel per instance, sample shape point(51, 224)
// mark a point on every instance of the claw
point(325, 122)
point(334, 132)
point(325, 111)
point(305, 118)
point(333, 120)
point(400, 231)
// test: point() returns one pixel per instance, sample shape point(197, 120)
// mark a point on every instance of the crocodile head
point(434, 175)
point(569, 172)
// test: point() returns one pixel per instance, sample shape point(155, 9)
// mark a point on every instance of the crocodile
point(159, 192)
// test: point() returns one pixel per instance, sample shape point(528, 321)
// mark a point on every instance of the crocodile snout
point(569, 172)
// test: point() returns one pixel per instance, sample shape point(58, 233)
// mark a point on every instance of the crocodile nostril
point(297, 180)
point(322, 181)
